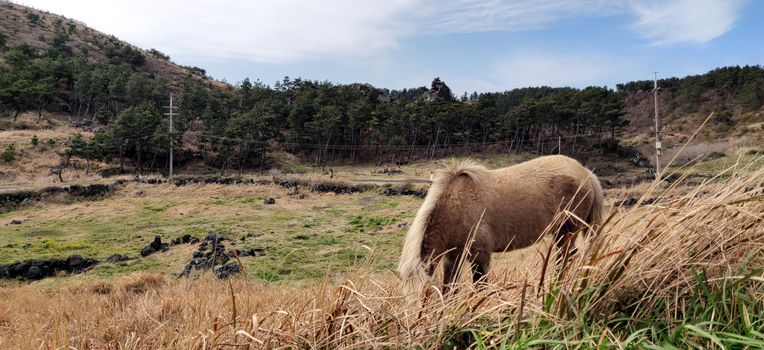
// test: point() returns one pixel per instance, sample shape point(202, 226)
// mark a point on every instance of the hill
point(41, 30)
point(52, 64)
point(734, 94)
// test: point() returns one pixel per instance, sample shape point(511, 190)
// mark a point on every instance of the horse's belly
point(520, 241)
point(520, 231)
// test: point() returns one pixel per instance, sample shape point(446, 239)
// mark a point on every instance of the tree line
point(736, 87)
point(236, 127)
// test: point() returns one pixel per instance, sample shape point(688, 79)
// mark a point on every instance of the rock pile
point(213, 253)
point(35, 269)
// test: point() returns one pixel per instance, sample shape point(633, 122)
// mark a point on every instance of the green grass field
point(322, 234)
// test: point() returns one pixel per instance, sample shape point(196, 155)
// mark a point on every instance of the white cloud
point(297, 30)
point(515, 15)
point(684, 21)
point(260, 31)
point(532, 68)
point(664, 22)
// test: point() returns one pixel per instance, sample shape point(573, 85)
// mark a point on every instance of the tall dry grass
point(639, 281)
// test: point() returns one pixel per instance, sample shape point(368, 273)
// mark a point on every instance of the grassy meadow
point(305, 236)
point(685, 271)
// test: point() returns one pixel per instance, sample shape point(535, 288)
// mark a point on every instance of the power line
point(201, 134)
point(350, 146)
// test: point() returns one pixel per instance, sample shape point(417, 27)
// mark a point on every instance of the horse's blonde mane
point(411, 267)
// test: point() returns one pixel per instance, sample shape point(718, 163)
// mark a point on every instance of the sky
point(482, 46)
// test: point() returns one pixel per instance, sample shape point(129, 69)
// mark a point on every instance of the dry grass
point(688, 153)
point(33, 164)
point(642, 264)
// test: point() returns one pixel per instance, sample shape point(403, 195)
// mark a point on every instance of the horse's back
point(527, 196)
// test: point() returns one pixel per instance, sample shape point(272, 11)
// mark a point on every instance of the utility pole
point(171, 112)
point(657, 129)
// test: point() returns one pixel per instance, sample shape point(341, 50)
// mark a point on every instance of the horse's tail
point(596, 212)
point(411, 269)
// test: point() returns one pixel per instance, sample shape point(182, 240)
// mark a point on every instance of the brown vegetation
point(644, 260)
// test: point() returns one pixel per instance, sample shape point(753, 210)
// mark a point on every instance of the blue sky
point(472, 45)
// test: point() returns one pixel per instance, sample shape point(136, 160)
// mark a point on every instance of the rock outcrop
point(438, 90)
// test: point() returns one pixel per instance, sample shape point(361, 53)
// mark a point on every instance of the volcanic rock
point(117, 258)
point(155, 246)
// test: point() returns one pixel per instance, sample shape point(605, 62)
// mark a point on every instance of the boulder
point(74, 261)
point(269, 200)
point(147, 250)
point(249, 252)
point(215, 237)
point(34, 272)
point(155, 246)
point(185, 239)
point(117, 258)
point(225, 271)
point(77, 263)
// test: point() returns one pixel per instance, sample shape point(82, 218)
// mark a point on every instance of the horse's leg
point(480, 255)
point(450, 270)
point(480, 266)
point(566, 243)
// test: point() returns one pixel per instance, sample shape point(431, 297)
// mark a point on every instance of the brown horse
point(500, 210)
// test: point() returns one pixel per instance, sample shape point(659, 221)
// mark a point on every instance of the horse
point(469, 208)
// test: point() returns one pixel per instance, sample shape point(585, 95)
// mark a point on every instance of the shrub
point(723, 116)
point(35, 140)
point(159, 54)
point(60, 39)
point(33, 18)
point(9, 154)
point(196, 70)
point(119, 53)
